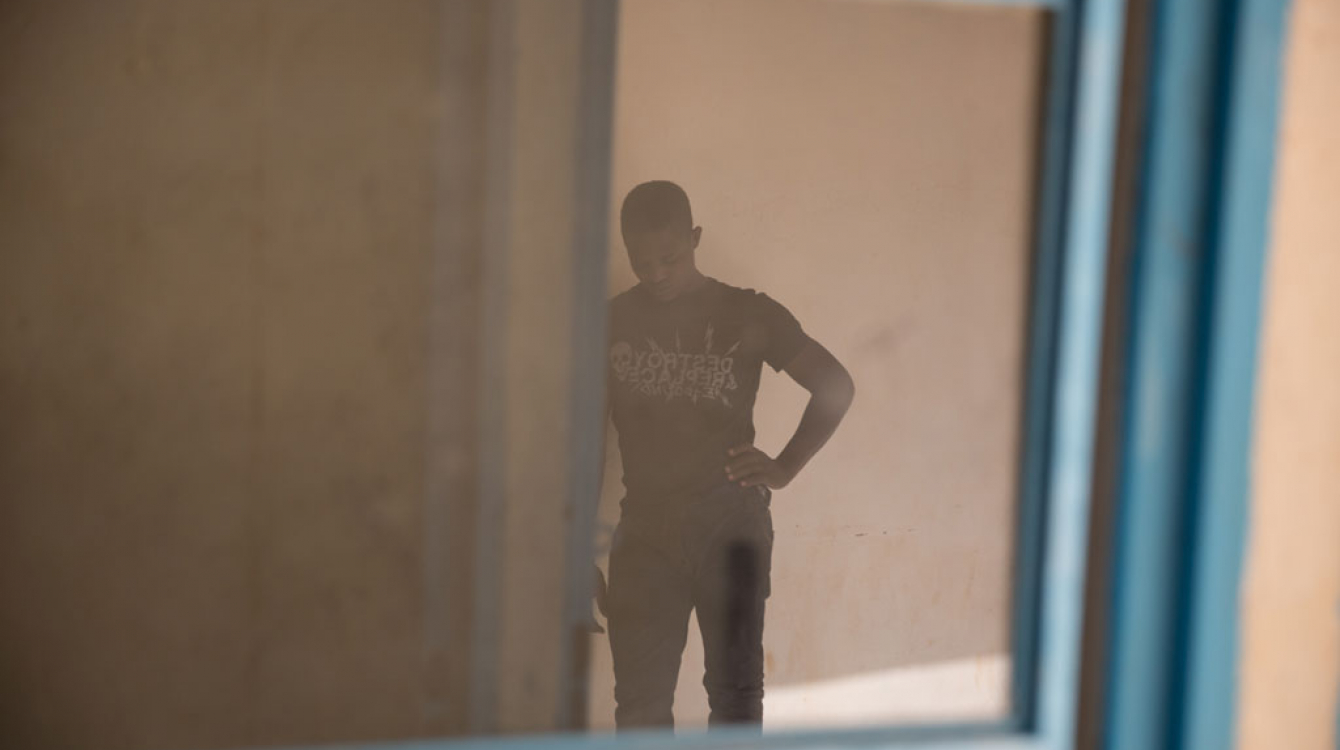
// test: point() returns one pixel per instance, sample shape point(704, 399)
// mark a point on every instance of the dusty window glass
point(292, 402)
point(867, 167)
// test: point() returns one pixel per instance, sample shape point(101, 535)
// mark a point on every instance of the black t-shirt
point(682, 377)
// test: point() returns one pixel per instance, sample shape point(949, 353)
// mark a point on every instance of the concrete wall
point(1290, 668)
point(870, 166)
point(216, 221)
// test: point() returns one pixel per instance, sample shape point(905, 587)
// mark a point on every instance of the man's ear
point(697, 235)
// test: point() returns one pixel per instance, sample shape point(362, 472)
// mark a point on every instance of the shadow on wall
point(870, 167)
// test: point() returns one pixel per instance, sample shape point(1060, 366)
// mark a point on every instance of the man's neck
point(699, 281)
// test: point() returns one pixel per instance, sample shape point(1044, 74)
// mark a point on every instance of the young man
point(685, 356)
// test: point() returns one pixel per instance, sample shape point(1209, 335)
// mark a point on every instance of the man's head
point(658, 231)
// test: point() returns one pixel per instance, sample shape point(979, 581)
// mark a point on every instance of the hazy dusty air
point(870, 166)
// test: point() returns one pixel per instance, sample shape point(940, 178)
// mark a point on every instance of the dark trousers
point(712, 553)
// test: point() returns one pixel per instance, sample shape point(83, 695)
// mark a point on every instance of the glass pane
point(870, 167)
point(291, 316)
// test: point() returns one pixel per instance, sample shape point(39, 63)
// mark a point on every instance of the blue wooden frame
point(1191, 359)
point(1199, 251)
point(1080, 122)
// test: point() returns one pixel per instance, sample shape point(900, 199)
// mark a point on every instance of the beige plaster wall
point(216, 223)
point(869, 165)
point(1290, 653)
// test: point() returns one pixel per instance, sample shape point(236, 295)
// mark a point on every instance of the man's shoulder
point(622, 300)
point(720, 294)
point(739, 293)
point(748, 297)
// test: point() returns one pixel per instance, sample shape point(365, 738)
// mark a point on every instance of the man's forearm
point(822, 416)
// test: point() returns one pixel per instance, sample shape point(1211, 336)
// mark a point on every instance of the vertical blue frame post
point(1079, 133)
point(1080, 130)
point(1191, 357)
point(1256, 35)
point(596, 108)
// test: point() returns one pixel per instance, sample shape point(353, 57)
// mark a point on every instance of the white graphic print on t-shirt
point(653, 371)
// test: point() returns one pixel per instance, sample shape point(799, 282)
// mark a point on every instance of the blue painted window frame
point(1200, 237)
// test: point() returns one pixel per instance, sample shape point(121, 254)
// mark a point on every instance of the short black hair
point(655, 205)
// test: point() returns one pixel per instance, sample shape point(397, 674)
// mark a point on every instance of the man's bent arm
point(831, 392)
